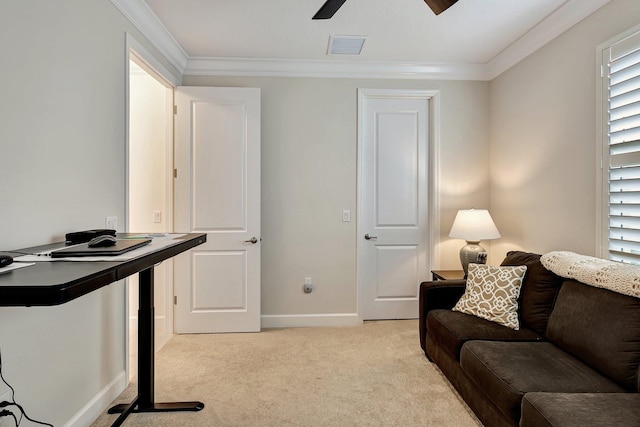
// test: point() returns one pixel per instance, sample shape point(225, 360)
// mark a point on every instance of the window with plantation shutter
point(621, 63)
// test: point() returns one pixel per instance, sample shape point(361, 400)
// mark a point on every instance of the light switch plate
point(111, 222)
point(346, 215)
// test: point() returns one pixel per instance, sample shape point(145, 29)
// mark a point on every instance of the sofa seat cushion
point(451, 329)
point(580, 409)
point(508, 370)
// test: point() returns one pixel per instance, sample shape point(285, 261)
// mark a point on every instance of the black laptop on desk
point(121, 247)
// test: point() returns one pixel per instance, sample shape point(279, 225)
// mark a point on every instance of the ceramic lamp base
point(472, 253)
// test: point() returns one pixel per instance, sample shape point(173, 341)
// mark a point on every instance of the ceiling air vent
point(345, 45)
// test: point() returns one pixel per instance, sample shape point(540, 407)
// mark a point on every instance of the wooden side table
point(447, 274)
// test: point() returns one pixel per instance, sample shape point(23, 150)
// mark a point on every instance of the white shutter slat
point(629, 258)
point(629, 210)
point(621, 246)
point(625, 53)
point(624, 173)
point(623, 123)
point(625, 98)
point(625, 81)
point(624, 186)
point(626, 236)
point(628, 110)
point(624, 222)
point(625, 135)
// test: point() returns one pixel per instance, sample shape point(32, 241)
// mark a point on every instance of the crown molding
point(265, 67)
point(563, 18)
point(143, 18)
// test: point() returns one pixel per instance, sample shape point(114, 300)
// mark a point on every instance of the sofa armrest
point(439, 294)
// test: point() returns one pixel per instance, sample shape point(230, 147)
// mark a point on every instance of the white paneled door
point(217, 160)
point(393, 190)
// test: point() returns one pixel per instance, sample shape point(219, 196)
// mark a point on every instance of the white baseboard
point(99, 403)
point(310, 320)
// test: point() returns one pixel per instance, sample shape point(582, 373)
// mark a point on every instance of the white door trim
point(433, 97)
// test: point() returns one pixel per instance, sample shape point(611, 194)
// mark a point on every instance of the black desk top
point(58, 282)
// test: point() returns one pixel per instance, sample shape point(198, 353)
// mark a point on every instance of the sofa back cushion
point(539, 289)
point(599, 327)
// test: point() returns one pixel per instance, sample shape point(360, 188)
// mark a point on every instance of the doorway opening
point(149, 188)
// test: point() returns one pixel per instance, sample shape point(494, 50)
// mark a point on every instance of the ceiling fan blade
point(328, 9)
point(439, 6)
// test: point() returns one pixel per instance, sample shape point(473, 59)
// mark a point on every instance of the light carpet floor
point(370, 375)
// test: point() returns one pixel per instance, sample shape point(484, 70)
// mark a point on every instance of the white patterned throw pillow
point(492, 293)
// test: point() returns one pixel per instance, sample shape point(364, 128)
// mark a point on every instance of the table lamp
point(473, 225)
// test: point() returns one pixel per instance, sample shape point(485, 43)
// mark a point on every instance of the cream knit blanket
point(612, 275)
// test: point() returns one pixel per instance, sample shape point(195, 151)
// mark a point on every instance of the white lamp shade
point(474, 225)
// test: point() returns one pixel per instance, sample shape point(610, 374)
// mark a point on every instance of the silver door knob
point(368, 237)
point(252, 240)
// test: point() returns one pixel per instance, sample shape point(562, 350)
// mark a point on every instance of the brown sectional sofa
point(574, 361)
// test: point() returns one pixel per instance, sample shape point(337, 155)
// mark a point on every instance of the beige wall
point(62, 169)
point(309, 169)
point(543, 139)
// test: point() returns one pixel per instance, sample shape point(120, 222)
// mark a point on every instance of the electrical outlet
point(308, 285)
point(111, 222)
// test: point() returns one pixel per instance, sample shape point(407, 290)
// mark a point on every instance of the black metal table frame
point(144, 401)
point(60, 293)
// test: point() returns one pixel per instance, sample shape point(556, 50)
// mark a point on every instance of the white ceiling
point(481, 34)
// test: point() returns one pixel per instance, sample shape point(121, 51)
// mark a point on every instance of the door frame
point(433, 178)
point(135, 51)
